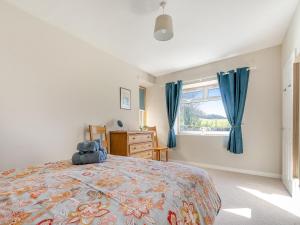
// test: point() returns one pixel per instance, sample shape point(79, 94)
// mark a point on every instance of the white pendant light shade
point(163, 30)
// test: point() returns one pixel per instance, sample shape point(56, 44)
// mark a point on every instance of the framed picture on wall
point(125, 98)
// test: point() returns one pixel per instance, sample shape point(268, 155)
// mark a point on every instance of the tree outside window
point(202, 110)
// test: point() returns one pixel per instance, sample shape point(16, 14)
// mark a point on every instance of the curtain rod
point(252, 68)
point(212, 76)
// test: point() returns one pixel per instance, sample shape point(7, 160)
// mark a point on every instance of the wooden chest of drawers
point(133, 144)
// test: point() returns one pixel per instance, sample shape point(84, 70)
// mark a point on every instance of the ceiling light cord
point(163, 5)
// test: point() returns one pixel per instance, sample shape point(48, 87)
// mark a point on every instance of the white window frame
point(142, 112)
point(205, 89)
point(141, 118)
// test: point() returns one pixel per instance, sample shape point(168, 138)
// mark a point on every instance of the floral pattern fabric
point(121, 190)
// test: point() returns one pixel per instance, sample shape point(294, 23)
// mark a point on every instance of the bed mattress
point(121, 190)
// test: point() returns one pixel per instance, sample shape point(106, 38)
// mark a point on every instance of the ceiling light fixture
point(163, 30)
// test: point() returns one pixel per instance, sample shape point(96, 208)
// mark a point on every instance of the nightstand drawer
point(145, 155)
point(138, 138)
point(135, 148)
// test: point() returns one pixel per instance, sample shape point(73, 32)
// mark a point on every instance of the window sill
point(209, 134)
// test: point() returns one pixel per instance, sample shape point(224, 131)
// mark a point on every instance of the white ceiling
point(205, 30)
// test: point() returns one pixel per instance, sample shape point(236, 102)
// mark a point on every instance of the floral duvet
point(119, 191)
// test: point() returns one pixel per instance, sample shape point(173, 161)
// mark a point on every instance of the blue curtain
point(173, 95)
point(233, 87)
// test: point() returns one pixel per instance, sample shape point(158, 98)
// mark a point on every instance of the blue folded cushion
point(102, 154)
point(80, 158)
point(89, 146)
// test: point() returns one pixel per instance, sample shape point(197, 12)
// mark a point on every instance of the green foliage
point(191, 119)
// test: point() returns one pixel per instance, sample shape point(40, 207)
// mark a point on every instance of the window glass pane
point(202, 111)
point(191, 95)
point(142, 98)
point(206, 116)
point(214, 92)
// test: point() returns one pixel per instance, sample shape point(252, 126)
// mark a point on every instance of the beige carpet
point(253, 200)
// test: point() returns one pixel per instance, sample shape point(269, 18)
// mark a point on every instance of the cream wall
point(262, 117)
point(51, 86)
point(292, 37)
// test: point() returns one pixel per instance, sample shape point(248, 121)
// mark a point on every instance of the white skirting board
point(230, 169)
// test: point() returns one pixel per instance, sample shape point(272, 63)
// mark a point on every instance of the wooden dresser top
point(130, 132)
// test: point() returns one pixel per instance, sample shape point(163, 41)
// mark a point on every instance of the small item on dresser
point(120, 123)
point(89, 152)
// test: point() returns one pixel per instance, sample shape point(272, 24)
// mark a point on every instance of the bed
point(120, 191)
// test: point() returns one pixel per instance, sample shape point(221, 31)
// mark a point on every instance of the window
point(201, 109)
point(142, 113)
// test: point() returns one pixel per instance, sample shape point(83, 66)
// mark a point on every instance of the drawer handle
point(133, 138)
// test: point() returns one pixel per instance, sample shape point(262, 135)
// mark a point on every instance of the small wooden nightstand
point(158, 150)
point(132, 143)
